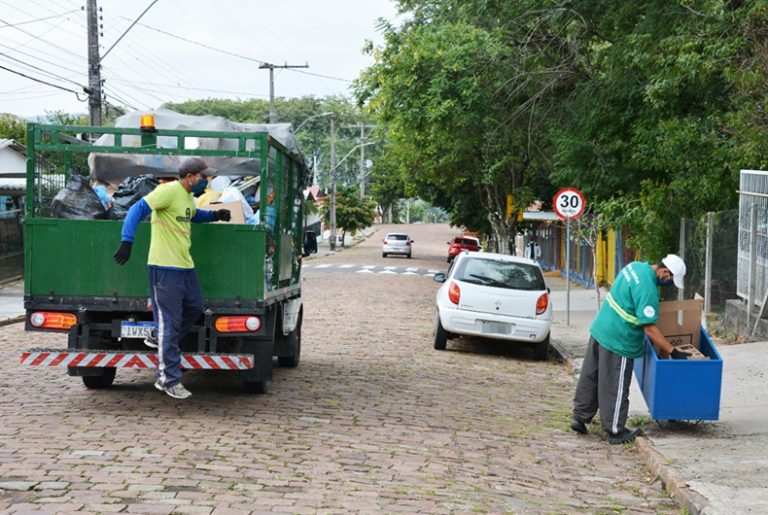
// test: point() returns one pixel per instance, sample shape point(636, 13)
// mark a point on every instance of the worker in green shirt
point(629, 314)
point(174, 287)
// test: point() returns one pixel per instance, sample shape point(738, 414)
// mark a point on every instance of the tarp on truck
point(108, 167)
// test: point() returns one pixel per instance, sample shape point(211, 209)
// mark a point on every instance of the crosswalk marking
point(372, 269)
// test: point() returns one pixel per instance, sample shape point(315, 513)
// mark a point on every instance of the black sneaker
point(624, 436)
point(579, 426)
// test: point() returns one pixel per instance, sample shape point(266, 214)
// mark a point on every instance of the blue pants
point(177, 305)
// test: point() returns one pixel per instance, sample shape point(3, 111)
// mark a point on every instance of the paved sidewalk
point(11, 301)
point(711, 467)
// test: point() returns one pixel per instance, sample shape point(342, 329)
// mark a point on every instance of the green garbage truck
point(250, 272)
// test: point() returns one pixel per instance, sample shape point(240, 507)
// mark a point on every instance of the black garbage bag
point(131, 191)
point(78, 201)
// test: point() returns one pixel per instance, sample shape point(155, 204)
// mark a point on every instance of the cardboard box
point(235, 208)
point(679, 321)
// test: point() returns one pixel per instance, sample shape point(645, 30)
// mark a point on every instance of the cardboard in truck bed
point(235, 208)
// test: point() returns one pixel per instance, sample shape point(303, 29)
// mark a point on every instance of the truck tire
point(293, 343)
point(541, 350)
point(105, 380)
point(256, 386)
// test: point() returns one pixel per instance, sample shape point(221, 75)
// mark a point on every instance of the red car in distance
point(461, 243)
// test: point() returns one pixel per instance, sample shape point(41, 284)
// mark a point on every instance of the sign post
point(569, 204)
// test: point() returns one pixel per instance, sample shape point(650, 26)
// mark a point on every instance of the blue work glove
point(222, 215)
point(123, 253)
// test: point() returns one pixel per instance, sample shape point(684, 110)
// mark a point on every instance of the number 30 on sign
point(569, 203)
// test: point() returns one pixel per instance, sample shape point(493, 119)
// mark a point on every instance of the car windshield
point(500, 274)
point(398, 237)
point(465, 241)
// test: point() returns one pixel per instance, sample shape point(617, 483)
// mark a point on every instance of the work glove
point(123, 253)
point(678, 354)
point(222, 215)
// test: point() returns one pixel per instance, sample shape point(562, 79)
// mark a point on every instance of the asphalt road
point(374, 420)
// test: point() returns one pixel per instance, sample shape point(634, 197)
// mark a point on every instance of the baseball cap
point(675, 265)
point(196, 165)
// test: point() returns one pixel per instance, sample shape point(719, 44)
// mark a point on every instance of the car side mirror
point(439, 277)
point(548, 290)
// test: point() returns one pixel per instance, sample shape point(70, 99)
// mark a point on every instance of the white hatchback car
point(397, 243)
point(494, 296)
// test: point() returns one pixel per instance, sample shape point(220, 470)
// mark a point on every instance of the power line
point(126, 30)
point(41, 69)
point(40, 58)
point(77, 94)
point(37, 19)
point(39, 38)
point(239, 56)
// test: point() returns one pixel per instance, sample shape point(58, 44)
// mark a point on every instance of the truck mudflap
point(113, 359)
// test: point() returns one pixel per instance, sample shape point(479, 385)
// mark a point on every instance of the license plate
point(136, 329)
point(496, 327)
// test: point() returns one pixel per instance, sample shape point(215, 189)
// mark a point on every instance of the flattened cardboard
point(235, 208)
point(680, 321)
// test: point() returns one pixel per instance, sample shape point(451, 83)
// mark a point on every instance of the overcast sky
point(152, 64)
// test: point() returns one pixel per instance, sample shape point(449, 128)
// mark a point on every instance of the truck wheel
point(105, 380)
point(541, 350)
point(292, 342)
point(256, 386)
point(441, 339)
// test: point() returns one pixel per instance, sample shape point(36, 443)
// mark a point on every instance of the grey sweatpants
point(604, 384)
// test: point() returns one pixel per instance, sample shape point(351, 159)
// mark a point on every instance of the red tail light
point(454, 293)
point(407, 243)
point(238, 324)
point(542, 303)
point(52, 320)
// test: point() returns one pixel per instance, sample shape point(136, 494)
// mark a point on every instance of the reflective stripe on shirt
point(620, 311)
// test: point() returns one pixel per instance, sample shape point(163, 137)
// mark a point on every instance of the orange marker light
point(147, 122)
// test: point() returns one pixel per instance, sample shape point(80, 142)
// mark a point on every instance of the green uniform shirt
point(632, 303)
point(172, 211)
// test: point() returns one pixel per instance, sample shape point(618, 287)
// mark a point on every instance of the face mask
point(200, 186)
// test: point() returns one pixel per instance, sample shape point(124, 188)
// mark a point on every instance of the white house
point(13, 170)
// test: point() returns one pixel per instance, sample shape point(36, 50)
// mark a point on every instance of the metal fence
point(753, 236)
point(710, 247)
point(11, 245)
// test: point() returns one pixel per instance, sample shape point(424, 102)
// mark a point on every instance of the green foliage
point(12, 127)
point(352, 212)
point(650, 107)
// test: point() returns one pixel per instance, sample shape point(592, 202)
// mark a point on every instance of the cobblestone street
point(372, 421)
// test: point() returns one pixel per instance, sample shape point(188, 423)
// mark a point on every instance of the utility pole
point(332, 210)
point(271, 68)
point(362, 156)
point(94, 67)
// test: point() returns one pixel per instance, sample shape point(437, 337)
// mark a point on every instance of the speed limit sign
point(569, 203)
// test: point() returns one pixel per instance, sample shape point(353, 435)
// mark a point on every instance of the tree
point(352, 212)
point(12, 127)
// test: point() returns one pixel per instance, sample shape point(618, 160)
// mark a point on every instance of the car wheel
point(409, 255)
point(541, 350)
point(383, 254)
point(449, 259)
point(441, 338)
point(105, 380)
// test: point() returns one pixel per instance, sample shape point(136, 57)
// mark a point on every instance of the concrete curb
point(12, 320)
point(673, 481)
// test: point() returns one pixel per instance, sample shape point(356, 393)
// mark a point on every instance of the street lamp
point(311, 118)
